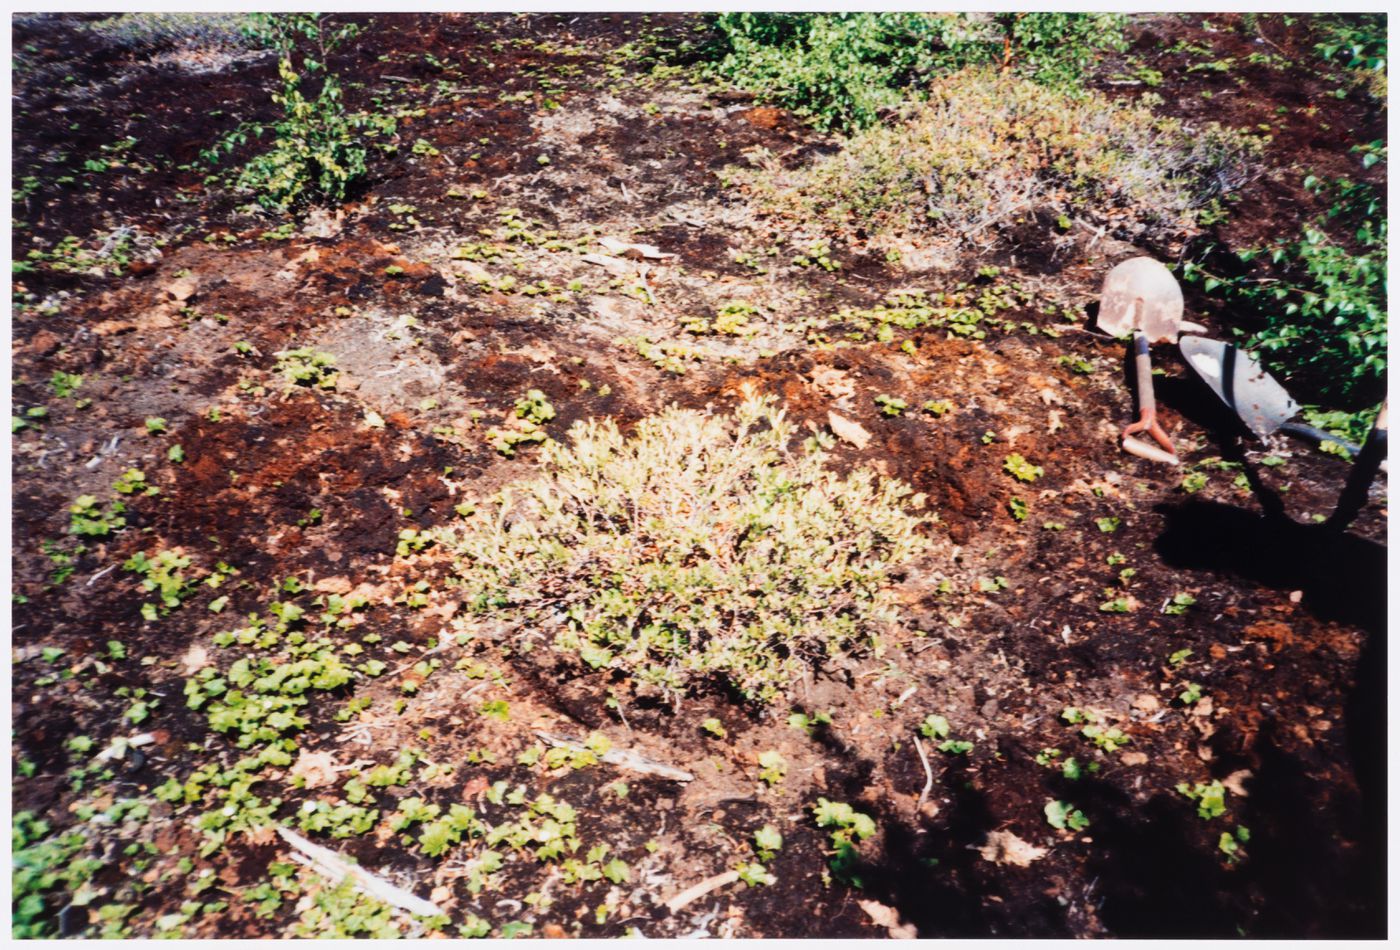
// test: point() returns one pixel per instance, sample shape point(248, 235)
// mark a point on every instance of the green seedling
point(1179, 603)
point(1062, 816)
point(1180, 657)
point(304, 366)
point(1209, 798)
point(848, 826)
point(809, 724)
point(1017, 466)
point(773, 767)
point(890, 405)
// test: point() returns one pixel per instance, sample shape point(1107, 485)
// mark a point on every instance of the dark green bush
point(840, 71)
point(1321, 299)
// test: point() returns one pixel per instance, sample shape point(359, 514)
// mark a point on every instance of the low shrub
point(701, 547)
point(988, 148)
point(318, 149)
point(841, 71)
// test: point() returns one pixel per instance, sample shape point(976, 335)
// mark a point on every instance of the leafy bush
point(1321, 298)
point(318, 149)
point(699, 547)
point(988, 148)
point(151, 29)
point(842, 70)
point(1359, 43)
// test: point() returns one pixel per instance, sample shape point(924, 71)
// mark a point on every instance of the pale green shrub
point(987, 148)
point(701, 547)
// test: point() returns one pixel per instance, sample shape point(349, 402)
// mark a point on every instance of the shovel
point(1140, 296)
point(1265, 407)
point(1261, 403)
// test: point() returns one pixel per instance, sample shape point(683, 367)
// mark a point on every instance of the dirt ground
point(543, 134)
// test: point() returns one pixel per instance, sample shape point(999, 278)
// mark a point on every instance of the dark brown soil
point(1286, 633)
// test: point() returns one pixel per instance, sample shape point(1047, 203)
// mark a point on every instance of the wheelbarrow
point(1140, 296)
point(1265, 408)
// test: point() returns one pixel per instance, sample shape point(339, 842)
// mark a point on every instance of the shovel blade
point(1257, 398)
point(1141, 294)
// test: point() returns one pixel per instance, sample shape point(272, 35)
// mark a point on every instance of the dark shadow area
point(943, 886)
point(1155, 879)
point(1309, 887)
point(1307, 878)
point(1342, 576)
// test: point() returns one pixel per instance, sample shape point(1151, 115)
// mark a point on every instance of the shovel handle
point(1142, 363)
point(1147, 412)
point(1146, 450)
point(1363, 472)
point(1317, 436)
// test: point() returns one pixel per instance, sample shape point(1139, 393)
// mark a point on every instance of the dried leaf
point(1003, 847)
point(833, 382)
point(628, 249)
point(888, 917)
point(852, 432)
point(1235, 782)
point(613, 265)
point(194, 659)
point(317, 768)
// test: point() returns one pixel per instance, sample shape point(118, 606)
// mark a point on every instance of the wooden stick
point(695, 892)
point(622, 758)
point(928, 785)
point(331, 865)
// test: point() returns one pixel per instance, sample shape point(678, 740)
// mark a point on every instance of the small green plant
point(809, 724)
point(937, 407)
point(534, 407)
point(88, 519)
point(1107, 738)
point(1209, 797)
point(1062, 816)
point(767, 842)
point(1107, 525)
point(848, 827)
point(1190, 695)
point(305, 366)
point(714, 727)
point(162, 574)
point(1230, 843)
point(1179, 604)
point(935, 726)
point(772, 766)
point(64, 384)
point(1018, 508)
point(1193, 482)
point(133, 482)
point(1017, 466)
point(890, 405)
